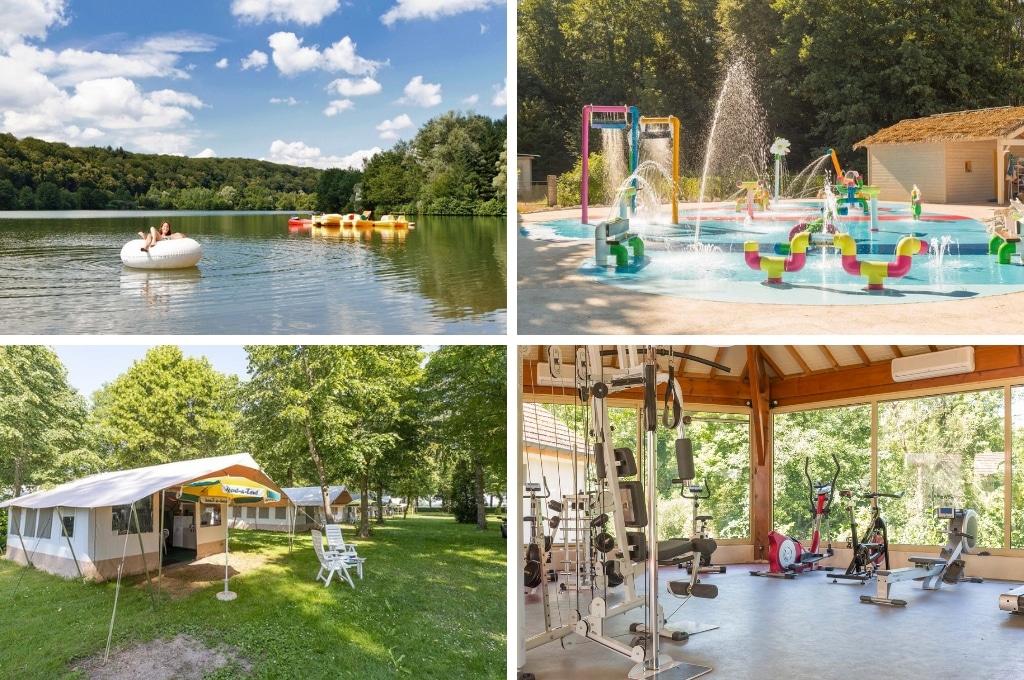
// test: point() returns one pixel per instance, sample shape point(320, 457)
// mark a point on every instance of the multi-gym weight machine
point(633, 550)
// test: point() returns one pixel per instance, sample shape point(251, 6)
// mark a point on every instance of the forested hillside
point(829, 73)
point(455, 165)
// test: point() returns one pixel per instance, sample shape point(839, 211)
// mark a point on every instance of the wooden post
point(552, 190)
point(761, 458)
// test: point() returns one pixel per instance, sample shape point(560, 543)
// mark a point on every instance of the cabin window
point(280, 513)
point(45, 524)
point(210, 516)
point(30, 523)
point(122, 522)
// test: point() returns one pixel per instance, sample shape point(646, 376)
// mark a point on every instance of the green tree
point(8, 195)
point(467, 384)
point(335, 190)
point(42, 420)
point(47, 197)
point(166, 408)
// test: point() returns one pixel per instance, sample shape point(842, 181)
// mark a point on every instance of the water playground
point(825, 238)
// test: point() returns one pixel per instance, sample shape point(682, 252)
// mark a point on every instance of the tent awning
point(127, 486)
point(311, 495)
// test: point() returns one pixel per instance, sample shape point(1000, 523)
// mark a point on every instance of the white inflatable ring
point(173, 253)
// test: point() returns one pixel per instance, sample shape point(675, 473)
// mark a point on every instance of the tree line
point(455, 165)
point(380, 419)
point(829, 73)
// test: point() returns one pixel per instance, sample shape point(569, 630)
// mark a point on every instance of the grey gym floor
point(807, 627)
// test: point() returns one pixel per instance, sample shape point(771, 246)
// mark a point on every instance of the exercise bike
point(698, 493)
point(871, 550)
point(786, 556)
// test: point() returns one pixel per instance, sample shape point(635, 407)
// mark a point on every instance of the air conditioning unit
point(934, 364)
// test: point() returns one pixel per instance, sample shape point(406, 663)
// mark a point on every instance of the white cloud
point(305, 12)
point(341, 56)
point(206, 153)
point(471, 99)
point(256, 60)
point(21, 19)
point(291, 57)
point(223, 63)
point(422, 94)
point(347, 87)
point(338, 106)
point(389, 128)
point(297, 153)
point(483, 28)
point(290, 101)
point(434, 9)
point(500, 96)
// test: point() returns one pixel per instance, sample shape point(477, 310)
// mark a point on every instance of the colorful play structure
point(613, 238)
point(640, 128)
point(613, 118)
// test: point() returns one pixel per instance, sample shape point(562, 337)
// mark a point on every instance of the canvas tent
point(79, 528)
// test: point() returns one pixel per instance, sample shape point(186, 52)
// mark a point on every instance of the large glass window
point(812, 437)
point(943, 450)
point(1017, 462)
point(122, 521)
point(721, 453)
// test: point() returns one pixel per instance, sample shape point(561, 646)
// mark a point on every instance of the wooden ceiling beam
point(862, 354)
point(768, 360)
point(828, 355)
point(896, 350)
point(997, 362)
point(795, 353)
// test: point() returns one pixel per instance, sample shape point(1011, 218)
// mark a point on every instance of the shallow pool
point(957, 265)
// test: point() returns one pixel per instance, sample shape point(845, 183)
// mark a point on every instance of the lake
point(61, 273)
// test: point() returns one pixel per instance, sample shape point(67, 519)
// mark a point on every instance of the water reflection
point(61, 273)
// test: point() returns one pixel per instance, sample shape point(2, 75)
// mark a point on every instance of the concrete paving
point(554, 299)
point(808, 627)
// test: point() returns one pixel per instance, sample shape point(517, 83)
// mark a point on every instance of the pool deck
point(554, 299)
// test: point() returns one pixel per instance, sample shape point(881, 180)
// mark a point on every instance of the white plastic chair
point(336, 544)
point(330, 562)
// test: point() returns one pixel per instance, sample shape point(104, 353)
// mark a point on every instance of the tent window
point(236, 512)
point(15, 522)
point(280, 513)
point(45, 524)
point(264, 513)
point(250, 513)
point(210, 516)
point(69, 526)
point(30, 523)
point(122, 521)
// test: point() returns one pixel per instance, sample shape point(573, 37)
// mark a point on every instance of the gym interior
point(771, 511)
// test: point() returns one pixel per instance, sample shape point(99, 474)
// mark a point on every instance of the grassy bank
point(431, 605)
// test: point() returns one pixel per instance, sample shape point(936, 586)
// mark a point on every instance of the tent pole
point(291, 527)
point(117, 591)
point(161, 543)
point(142, 549)
point(64, 532)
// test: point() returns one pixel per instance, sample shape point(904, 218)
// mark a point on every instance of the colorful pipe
point(835, 162)
point(634, 138)
point(877, 272)
point(673, 124)
point(1002, 248)
point(774, 265)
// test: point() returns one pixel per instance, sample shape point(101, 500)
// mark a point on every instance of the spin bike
point(698, 493)
point(786, 557)
point(871, 550)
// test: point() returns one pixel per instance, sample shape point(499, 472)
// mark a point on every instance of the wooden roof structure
point(974, 125)
point(790, 375)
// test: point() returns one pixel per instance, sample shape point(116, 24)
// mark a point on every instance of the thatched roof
point(944, 127)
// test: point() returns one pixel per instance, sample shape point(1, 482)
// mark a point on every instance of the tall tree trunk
point(364, 505)
point(481, 506)
point(321, 474)
point(380, 504)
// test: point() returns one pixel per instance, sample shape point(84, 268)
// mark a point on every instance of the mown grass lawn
point(431, 605)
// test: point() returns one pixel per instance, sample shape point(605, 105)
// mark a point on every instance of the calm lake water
point(61, 273)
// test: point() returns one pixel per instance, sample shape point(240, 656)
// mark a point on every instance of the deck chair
point(336, 544)
point(331, 563)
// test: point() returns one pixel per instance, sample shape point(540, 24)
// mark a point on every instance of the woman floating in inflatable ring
point(154, 235)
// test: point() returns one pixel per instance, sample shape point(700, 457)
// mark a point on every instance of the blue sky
point(321, 83)
point(89, 366)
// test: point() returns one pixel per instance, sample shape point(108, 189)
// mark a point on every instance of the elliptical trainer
point(786, 556)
